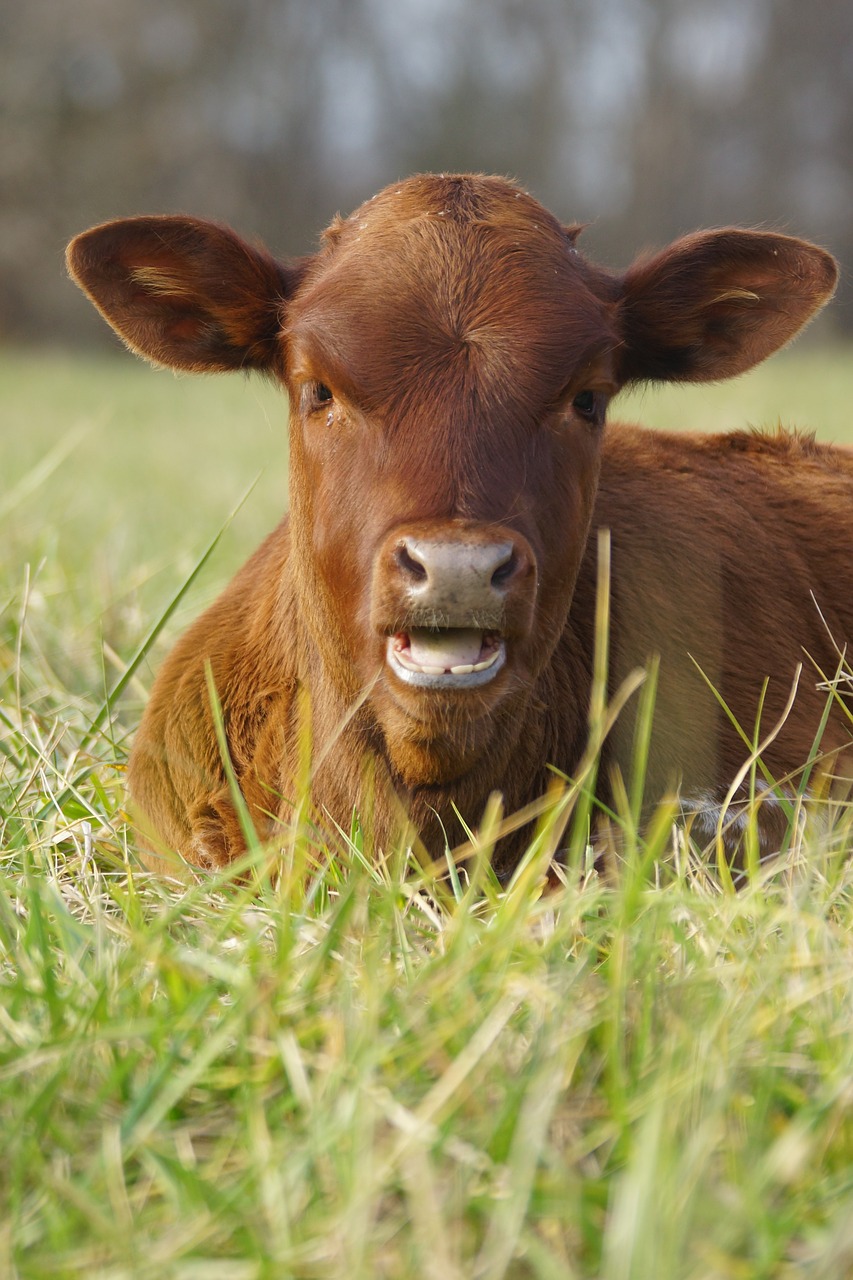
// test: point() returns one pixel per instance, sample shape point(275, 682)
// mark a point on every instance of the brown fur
point(439, 352)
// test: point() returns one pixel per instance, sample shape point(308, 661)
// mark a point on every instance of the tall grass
point(359, 1067)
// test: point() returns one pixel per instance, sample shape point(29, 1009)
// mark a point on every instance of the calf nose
point(451, 575)
point(456, 576)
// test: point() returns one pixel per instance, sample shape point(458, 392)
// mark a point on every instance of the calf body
point(449, 357)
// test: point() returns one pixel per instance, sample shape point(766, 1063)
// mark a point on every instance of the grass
point(362, 1070)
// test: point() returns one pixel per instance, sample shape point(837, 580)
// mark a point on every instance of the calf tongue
point(446, 649)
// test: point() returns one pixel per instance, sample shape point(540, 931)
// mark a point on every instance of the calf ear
point(716, 303)
point(184, 293)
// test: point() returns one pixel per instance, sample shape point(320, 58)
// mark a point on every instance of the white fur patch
point(705, 815)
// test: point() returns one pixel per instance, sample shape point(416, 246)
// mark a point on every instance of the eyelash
point(586, 404)
point(318, 396)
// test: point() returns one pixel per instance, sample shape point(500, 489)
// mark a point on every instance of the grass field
point(360, 1071)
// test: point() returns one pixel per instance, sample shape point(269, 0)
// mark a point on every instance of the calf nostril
point(411, 567)
point(505, 570)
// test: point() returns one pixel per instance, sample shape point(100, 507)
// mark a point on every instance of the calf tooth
point(481, 666)
point(464, 670)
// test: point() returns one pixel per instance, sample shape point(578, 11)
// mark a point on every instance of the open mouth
point(454, 658)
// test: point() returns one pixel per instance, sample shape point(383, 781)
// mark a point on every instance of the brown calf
point(449, 356)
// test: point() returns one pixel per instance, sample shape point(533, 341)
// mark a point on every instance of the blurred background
point(646, 118)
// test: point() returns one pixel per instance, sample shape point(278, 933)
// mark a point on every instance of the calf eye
point(316, 397)
point(586, 404)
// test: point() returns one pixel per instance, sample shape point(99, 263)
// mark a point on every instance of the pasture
point(363, 1069)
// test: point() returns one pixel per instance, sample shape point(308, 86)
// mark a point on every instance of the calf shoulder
point(732, 560)
point(179, 794)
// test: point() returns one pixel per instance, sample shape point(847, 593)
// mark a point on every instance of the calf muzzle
point(450, 599)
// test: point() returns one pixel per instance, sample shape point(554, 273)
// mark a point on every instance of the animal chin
point(449, 658)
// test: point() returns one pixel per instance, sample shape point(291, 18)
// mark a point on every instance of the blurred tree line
point(647, 118)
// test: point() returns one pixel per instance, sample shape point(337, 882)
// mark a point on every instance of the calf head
point(449, 356)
